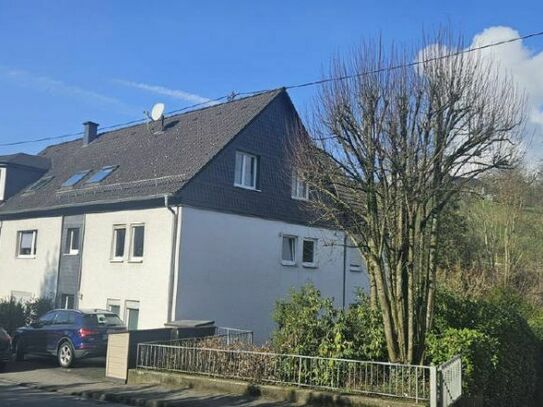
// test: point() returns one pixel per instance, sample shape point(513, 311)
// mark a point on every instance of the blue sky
point(65, 62)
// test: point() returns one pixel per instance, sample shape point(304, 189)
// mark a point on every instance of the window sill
point(309, 265)
point(116, 260)
point(26, 257)
point(298, 198)
point(288, 263)
point(247, 188)
point(70, 254)
point(136, 260)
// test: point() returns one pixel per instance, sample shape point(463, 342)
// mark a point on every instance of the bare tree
point(389, 147)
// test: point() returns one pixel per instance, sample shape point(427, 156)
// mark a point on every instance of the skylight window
point(74, 179)
point(101, 174)
point(39, 184)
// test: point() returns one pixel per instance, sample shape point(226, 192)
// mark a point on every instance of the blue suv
point(68, 335)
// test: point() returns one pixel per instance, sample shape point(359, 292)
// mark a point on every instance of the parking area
point(46, 371)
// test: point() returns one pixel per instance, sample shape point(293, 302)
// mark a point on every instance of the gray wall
point(70, 265)
point(267, 136)
point(18, 178)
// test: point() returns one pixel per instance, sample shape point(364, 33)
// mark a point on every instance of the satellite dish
point(157, 111)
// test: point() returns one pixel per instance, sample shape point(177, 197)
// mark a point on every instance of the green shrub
point(12, 314)
point(477, 350)
point(16, 313)
point(469, 326)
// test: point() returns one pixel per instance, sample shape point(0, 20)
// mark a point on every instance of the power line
point(293, 86)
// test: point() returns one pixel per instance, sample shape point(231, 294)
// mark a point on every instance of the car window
point(48, 318)
point(106, 319)
point(64, 317)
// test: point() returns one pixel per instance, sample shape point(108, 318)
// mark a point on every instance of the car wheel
point(65, 354)
point(19, 351)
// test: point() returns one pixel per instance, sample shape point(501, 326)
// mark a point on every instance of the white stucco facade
point(231, 270)
point(143, 283)
point(33, 275)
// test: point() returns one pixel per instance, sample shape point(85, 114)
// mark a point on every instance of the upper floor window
point(137, 239)
point(309, 252)
point(246, 170)
point(71, 246)
point(288, 251)
point(119, 239)
point(101, 174)
point(74, 179)
point(26, 243)
point(300, 189)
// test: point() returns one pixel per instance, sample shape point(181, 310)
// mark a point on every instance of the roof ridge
point(278, 90)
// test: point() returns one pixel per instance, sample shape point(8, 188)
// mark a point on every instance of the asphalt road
point(15, 395)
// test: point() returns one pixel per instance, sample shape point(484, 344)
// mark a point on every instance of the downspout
point(175, 218)
point(344, 266)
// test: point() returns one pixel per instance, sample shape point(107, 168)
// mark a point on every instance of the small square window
point(246, 171)
point(114, 305)
point(309, 253)
point(71, 245)
point(138, 240)
point(74, 179)
point(119, 239)
point(39, 184)
point(26, 243)
point(288, 251)
point(300, 190)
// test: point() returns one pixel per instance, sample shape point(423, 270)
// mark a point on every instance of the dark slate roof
point(25, 160)
point(150, 164)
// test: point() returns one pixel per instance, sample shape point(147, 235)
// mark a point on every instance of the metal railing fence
point(351, 376)
point(450, 379)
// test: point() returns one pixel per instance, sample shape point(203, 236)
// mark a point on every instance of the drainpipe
point(344, 266)
point(175, 218)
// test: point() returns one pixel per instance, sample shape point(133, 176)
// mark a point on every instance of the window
point(300, 189)
point(132, 314)
point(309, 253)
point(119, 238)
point(26, 246)
point(48, 318)
point(39, 184)
point(246, 170)
point(74, 179)
point(101, 174)
point(288, 251)
point(67, 301)
point(114, 306)
point(64, 318)
point(71, 245)
point(138, 237)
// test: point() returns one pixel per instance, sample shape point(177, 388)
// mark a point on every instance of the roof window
point(39, 184)
point(101, 174)
point(74, 179)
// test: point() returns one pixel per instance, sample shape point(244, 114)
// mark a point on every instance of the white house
point(196, 217)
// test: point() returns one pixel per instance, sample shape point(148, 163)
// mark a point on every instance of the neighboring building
point(195, 218)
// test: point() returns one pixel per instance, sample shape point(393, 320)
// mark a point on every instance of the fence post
point(433, 387)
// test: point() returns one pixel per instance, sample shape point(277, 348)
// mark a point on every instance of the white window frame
point(289, 262)
point(131, 257)
point(32, 255)
point(68, 249)
point(131, 305)
point(113, 302)
point(312, 264)
point(244, 156)
point(114, 258)
point(297, 185)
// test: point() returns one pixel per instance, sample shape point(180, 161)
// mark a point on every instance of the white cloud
point(161, 90)
point(58, 87)
point(526, 68)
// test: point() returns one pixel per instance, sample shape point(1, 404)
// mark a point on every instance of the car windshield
point(103, 319)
